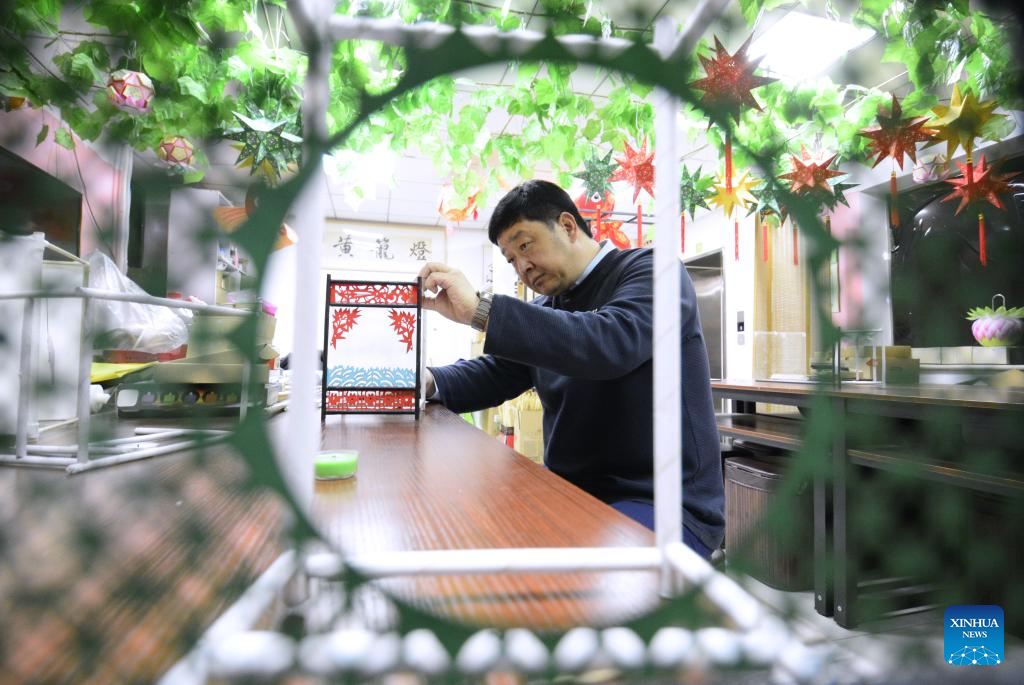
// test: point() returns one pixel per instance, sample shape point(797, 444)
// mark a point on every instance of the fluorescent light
point(800, 45)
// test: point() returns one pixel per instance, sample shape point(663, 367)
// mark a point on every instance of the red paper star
point(896, 136)
point(637, 168)
point(810, 172)
point(729, 80)
point(987, 185)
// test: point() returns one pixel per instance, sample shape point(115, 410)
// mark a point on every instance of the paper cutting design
point(372, 348)
point(350, 292)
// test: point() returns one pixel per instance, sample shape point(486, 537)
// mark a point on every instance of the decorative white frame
point(758, 638)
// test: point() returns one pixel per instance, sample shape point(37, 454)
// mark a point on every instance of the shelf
point(772, 431)
point(890, 460)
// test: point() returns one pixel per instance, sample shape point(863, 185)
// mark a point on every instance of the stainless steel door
point(709, 282)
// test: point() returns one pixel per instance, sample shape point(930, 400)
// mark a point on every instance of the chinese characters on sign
point(369, 249)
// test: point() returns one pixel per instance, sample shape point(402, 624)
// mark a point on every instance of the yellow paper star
point(960, 122)
point(738, 195)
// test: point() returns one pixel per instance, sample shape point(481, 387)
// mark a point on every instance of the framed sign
point(372, 348)
point(351, 247)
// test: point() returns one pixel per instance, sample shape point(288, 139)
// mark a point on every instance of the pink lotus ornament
point(933, 167)
point(997, 326)
point(176, 151)
point(130, 91)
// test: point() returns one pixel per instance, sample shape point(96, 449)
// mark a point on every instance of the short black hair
point(534, 200)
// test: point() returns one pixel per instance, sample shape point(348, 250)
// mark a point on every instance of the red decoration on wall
point(729, 80)
point(371, 400)
point(897, 136)
point(764, 240)
point(404, 324)
point(637, 168)
point(343, 321)
point(639, 227)
point(810, 172)
point(979, 182)
point(370, 293)
point(611, 230)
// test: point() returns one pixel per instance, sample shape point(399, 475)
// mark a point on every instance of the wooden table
point(442, 484)
point(110, 576)
point(993, 413)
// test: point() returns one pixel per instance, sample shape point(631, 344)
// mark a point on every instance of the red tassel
point(639, 227)
point(796, 247)
point(597, 222)
point(728, 161)
point(682, 232)
point(982, 254)
point(764, 241)
point(894, 212)
point(736, 238)
point(970, 174)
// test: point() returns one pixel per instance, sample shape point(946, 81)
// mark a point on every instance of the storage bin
point(781, 558)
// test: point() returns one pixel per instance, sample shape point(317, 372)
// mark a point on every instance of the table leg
point(845, 557)
point(823, 599)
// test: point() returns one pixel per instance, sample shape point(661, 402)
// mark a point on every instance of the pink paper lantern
point(176, 151)
point(130, 91)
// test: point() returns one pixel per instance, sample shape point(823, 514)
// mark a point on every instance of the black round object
point(937, 273)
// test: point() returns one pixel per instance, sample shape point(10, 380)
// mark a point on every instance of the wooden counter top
point(442, 484)
point(963, 396)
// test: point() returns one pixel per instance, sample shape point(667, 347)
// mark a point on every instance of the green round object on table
point(336, 464)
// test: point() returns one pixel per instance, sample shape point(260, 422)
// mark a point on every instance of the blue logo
point(974, 635)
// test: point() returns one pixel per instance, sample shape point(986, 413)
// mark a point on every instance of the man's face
point(541, 254)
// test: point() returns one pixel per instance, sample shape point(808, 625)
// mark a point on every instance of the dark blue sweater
point(589, 354)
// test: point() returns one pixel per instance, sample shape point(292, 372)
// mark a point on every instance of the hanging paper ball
point(176, 151)
point(130, 91)
point(932, 167)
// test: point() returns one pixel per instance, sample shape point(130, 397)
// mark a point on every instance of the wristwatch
point(483, 311)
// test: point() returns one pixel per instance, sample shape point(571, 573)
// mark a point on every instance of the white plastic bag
point(129, 325)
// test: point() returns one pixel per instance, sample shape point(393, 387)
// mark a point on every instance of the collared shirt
point(606, 248)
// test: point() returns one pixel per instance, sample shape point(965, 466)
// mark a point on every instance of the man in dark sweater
point(585, 345)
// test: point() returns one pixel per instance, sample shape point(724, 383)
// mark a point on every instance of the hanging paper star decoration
point(693, 190)
point(811, 171)
point(831, 199)
point(596, 174)
point(987, 185)
point(961, 121)
point(738, 194)
point(897, 136)
point(637, 168)
point(769, 201)
point(268, 147)
point(729, 79)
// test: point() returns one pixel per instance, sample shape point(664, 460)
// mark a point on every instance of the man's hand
point(456, 299)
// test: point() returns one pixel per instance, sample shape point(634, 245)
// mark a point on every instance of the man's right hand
point(456, 299)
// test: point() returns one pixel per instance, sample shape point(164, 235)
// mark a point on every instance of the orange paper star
point(811, 171)
point(986, 185)
point(637, 168)
point(896, 136)
point(729, 80)
point(961, 121)
point(736, 194)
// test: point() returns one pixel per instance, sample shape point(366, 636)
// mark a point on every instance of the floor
point(906, 649)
